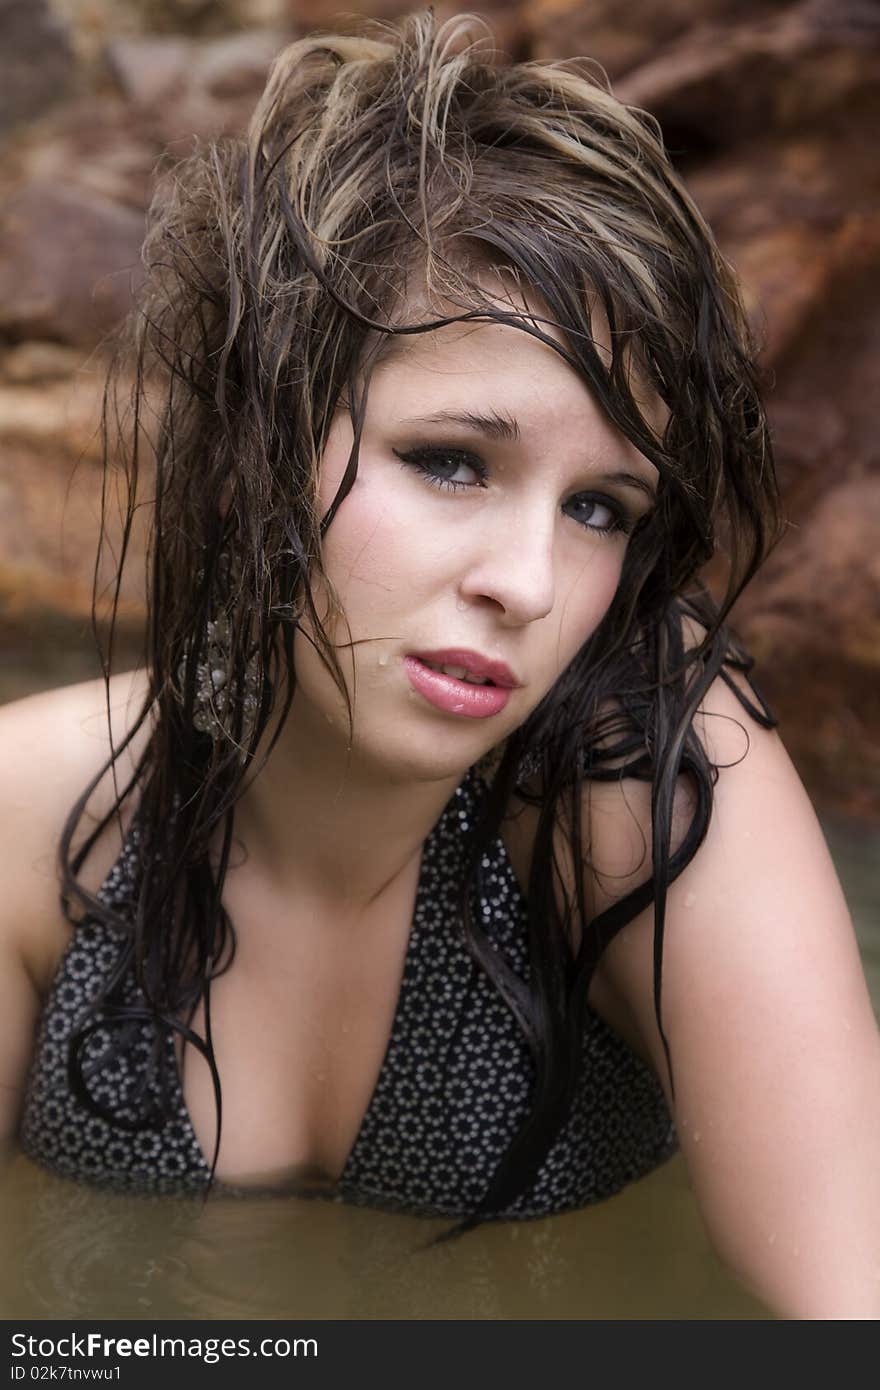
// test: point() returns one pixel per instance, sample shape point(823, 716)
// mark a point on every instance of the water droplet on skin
point(696, 1136)
point(461, 605)
point(690, 899)
point(383, 660)
point(771, 1239)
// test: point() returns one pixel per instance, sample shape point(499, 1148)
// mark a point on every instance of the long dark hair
point(273, 267)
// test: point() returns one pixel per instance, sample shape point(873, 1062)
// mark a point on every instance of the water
point(87, 1254)
point(643, 1254)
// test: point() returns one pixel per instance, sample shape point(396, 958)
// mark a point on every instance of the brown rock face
point(49, 514)
point(36, 60)
point(620, 40)
point(506, 21)
point(812, 616)
point(68, 259)
point(794, 213)
point(723, 83)
point(185, 87)
point(821, 594)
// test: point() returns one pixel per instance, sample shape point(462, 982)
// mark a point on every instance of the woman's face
point(485, 533)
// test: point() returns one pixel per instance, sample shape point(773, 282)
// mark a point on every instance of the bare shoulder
point(759, 894)
point(748, 756)
point(616, 823)
point(757, 919)
point(52, 746)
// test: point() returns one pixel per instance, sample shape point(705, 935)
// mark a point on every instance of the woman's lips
point(452, 695)
point(473, 666)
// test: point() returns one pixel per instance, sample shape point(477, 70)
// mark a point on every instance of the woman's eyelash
point(622, 522)
point(429, 460)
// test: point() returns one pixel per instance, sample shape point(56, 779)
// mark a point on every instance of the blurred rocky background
point(771, 109)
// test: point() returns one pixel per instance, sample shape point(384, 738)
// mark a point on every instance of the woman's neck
point(331, 825)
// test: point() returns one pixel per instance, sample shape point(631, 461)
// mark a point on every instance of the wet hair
point(277, 270)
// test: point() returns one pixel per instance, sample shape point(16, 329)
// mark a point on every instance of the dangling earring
point(213, 675)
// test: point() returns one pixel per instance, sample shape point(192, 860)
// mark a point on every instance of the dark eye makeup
point(439, 465)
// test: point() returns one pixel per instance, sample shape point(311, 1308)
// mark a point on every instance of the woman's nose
point(515, 569)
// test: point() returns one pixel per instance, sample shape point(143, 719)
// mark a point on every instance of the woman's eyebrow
point(632, 480)
point(498, 425)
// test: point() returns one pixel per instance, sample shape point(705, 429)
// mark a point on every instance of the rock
point(205, 17)
point(269, 14)
point(812, 615)
point(825, 400)
point(50, 502)
point(68, 260)
point(234, 68)
point(807, 587)
point(36, 60)
point(816, 636)
point(621, 40)
point(100, 144)
point(150, 69)
point(202, 87)
point(49, 519)
point(722, 84)
point(506, 21)
point(55, 416)
point(794, 215)
point(38, 362)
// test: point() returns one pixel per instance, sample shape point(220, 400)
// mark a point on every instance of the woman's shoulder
point(616, 815)
point(52, 746)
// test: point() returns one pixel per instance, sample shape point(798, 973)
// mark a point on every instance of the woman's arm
point(774, 1044)
point(29, 907)
point(51, 746)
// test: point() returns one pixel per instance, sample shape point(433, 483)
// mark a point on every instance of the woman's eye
point(452, 469)
point(597, 513)
point(446, 468)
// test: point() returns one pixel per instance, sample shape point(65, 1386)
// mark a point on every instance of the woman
point(449, 856)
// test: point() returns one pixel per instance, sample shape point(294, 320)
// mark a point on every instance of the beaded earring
point(213, 675)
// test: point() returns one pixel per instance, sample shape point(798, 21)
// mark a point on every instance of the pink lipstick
point(459, 689)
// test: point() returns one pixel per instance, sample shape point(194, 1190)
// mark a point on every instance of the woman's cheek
point(588, 601)
point(388, 545)
point(360, 544)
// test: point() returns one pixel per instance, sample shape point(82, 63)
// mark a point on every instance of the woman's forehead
point(483, 354)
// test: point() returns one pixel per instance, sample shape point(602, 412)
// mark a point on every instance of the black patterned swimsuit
point(452, 1090)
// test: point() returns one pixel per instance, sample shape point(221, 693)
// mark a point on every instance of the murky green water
point(89, 1255)
point(85, 1254)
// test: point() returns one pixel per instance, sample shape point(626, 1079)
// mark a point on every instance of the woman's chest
point(300, 1024)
